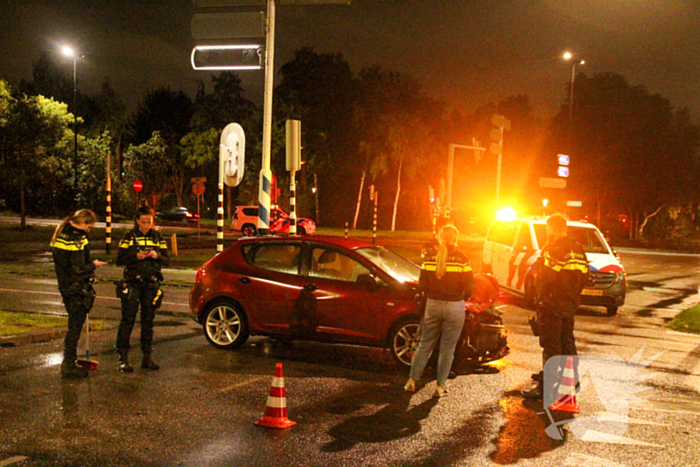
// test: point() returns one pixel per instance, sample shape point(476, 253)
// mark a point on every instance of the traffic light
point(500, 124)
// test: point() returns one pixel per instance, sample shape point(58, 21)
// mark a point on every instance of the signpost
point(138, 186)
point(198, 189)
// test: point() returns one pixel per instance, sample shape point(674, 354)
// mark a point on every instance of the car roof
point(543, 220)
point(349, 243)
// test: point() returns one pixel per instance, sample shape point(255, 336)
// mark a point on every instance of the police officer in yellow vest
point(143, 252)
point(562, 269)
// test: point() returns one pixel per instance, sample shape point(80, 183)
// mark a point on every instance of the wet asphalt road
point(199, 409)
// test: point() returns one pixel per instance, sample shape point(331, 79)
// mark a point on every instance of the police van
point(512, 247)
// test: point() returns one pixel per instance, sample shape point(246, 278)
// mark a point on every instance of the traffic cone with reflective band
point(566, 394)
point(276, 411)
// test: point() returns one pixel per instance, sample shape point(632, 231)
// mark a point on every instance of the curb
point(43, 335)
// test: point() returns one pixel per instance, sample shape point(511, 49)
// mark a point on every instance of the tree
point(152, 163)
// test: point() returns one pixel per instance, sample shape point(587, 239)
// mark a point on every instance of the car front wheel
point(403, 341)
point(225, 325)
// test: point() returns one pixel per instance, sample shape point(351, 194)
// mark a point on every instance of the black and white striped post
point(220, 218)
point(346, 230)
point(374, 195)
point(108, 216)
point(293, 135)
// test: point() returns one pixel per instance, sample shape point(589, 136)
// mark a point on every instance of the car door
point(500, 240)
point(273, 288)
point(349, 299)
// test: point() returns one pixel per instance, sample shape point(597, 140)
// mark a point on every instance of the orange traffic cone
point(566, 394)
point(276, 411)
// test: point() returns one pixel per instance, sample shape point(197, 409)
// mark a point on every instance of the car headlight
point(620, 278)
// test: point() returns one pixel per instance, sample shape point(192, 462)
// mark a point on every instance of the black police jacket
point(562, 271)
point(147, 269)
point(457, 283)
point(71, 258)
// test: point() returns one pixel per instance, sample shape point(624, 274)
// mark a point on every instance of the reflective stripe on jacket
point(457, 283)
point(148, 268)
point(71, 257)
point(563, 268)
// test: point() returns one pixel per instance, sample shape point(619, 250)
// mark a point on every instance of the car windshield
point(397, 266)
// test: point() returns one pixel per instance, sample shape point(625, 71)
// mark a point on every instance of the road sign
point(552, 182)
point(228, 25)
point(563, 160)
point(563, 171)
point(138, 185)
point(227, 57)
point(230, 3)
point(575, 204)
point(198, 188)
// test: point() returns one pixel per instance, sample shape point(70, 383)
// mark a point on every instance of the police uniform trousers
point(139, 294)
point(77, 312)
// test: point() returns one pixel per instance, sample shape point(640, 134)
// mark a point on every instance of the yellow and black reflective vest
point(457, 283)
point(71, 257)
point(562, 269)
point(146, 269)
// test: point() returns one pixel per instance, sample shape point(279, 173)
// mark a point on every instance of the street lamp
point(69, 52)
point(569, 56)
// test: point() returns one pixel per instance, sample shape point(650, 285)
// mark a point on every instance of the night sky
point(466, 53)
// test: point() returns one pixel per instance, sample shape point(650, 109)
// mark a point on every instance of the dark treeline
point(634, 158)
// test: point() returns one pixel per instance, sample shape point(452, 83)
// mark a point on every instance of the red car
point(324, 289)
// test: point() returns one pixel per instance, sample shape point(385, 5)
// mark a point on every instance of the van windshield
point(590, 239)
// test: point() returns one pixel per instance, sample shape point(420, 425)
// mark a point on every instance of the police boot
point(148, 362)
point(70, 370)
point(124, 361)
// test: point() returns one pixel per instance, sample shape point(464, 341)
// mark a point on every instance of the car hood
point(603, 263)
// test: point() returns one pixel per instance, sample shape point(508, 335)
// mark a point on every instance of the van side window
point(524, 239)
point(503, 232)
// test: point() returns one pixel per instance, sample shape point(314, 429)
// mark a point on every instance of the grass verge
point(687, 320)
point(13, 324)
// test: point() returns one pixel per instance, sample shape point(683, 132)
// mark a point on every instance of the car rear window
point(280, 257)
point(250, 212)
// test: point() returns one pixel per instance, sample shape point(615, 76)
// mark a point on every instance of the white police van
point(512, 247)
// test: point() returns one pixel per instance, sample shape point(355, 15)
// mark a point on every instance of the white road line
point(12, 460)
point(101, 297)
point(613, 417)
point(685, 334)
point(245, 383)
point(582, 460)
point(687, 407)
point(593, 436)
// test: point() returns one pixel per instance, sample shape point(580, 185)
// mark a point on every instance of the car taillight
point(188, 214)
point(199, 275)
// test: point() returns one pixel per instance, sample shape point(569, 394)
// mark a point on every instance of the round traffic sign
point(198, 188)
point(138, 185)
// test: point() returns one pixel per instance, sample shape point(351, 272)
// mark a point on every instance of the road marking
point(101, 297)
point(684, 334)
point(600, 437)
point(577, 459)
point(12, 460)
point(679, 406)
point(245, 383)
point(614, 417)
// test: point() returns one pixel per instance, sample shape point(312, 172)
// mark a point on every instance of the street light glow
point(67, 51)
point(568, 56)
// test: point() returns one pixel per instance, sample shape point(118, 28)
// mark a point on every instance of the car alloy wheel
point(404, 338)
point(249, 230)
point(225, 326)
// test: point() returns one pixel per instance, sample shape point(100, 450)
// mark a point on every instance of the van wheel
point(249, 230)
point(612, 310)
point(301, 230)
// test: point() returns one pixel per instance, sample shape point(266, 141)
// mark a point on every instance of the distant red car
point(324, 289)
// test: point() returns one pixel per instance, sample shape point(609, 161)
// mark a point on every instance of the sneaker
point(410, 385)
point(71, 370)
point(440, 391)
point(124, 365)
point(149, 364)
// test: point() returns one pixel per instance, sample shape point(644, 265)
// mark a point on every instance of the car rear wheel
point(612, 310)
point(403, 341)
point(301, 230)
point(225, 325)
point(249, 230)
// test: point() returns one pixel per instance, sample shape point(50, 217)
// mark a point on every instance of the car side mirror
point(368, 281)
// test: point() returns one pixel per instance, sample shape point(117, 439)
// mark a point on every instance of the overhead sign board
point(230, 3)
point(552, 182)
point(227, 57)
point(228, 25)
point(563, 160)
point(575, 204)
point(563, 171)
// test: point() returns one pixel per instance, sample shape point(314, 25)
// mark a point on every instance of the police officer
point(143, 252)
point(562, 270)
point(75, 271)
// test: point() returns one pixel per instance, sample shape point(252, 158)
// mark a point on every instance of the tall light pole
point(569, 56)
point(69, 52)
